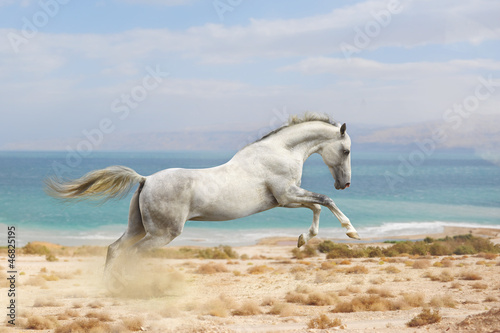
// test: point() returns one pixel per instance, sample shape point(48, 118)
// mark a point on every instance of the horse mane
point(307, 117)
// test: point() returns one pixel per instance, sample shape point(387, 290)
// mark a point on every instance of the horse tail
point(114, 182)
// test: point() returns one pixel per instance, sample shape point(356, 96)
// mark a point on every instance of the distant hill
point(481, 133)
point(472, 133)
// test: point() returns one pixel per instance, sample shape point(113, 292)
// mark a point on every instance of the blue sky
point(375, 62)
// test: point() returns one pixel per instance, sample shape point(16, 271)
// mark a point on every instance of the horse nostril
point(347, 185)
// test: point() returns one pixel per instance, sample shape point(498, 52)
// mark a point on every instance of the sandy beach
point(265, 289)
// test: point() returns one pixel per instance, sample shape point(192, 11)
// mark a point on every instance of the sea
point(392, 193)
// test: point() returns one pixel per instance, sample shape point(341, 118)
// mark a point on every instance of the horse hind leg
point(135, 231)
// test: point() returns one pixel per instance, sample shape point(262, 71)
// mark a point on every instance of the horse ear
point(342, 129)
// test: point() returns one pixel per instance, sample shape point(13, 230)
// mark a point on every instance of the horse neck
point(308, 138)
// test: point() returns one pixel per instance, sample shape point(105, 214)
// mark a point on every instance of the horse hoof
point(114, 283)
point(353, 234)
point(301, 241)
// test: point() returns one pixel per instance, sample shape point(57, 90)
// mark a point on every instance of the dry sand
point(269, 292)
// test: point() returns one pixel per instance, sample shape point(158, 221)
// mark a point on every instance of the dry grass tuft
point(326, 265)
point(84, 326)
point(269, 301)
point(421, 264)
point(349, 290)
point(425, 318)
point(489, 256)
point(295, 297)
point(283, 310)
point(392, 269)
point(297, 269)
point(68, 314)
point(491, 299)
point(220, 307)
point(95, 305)
point(445, 276)
point(212, 268)
point(321, 299)
point(384, 293)
point(101, 316)
point(366, 303)
point(324, 277)
point(469, 275)
point(479, 286)
point(46, 302)
point(217, 308)
point(40, 323)
point(260, 269)
point(133, 324)
point(443, 301)
point(248, 308)
point(358, 269)
point(323, 322)
point(414, 299)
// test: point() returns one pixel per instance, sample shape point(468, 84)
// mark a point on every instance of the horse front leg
point(313, 230)
point(297, 195)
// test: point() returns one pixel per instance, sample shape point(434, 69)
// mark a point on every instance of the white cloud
point(448, 22)
point(369, 69)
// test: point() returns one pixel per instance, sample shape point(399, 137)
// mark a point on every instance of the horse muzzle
point(338, 187)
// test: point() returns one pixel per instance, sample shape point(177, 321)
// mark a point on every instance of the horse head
point(336, 154)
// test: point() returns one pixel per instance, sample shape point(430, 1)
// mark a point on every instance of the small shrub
point(297, 269)
point(364, 303)
point(488, 256)
point(479, 286)
point(261, 269)
point(424, 318)
point(248, 308)
point(282, 310)
point(469, 275)
point(307, 252)
point(212, 268)
point(101, 316)
point(220, 252)
point(296, 297)
point(83, 325)
point(385, 293)
point(320, 299)
point(51, 258)
point(323, 322)
point(40, 323)
point(133, 324)
point(414, 299)
point(95, 305)
point(443, 301)
point(392, 269)
point(421, 264)
point(326, 246)
point(358, 269)
point(326, 265)
point(39, 249)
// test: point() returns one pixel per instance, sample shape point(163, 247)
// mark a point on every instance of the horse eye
point(346, 151)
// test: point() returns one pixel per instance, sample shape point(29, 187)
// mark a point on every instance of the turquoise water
point(387, 198)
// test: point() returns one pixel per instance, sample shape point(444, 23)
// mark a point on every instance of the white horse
point(261, 176)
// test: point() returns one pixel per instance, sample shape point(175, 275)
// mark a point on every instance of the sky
point(130, 66)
